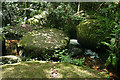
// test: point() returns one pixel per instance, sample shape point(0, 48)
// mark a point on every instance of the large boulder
point(88, 34)
point(43, 42)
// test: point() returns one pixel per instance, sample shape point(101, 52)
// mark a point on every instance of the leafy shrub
point(64, 56)
point(113, 48)
point(114, 39)
point(78, 61)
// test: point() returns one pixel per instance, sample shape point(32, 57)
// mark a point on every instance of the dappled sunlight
point(46, 69)
point(86, 22)
point(20, 63)
point(10, 69)
point(11, 64)
point(78, 70)
point(82, 72)
point(75, 70)
point(60, 40)
point(53, 73)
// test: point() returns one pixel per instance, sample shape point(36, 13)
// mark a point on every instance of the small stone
point(10, 58)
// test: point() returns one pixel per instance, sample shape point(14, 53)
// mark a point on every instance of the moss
point(88, 33)
point(43, 41)
point(43, 70)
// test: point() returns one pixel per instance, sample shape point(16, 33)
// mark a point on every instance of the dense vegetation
point(104, 16)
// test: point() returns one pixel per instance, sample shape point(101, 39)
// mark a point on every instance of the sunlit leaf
point(114, 60)
point(108, 61)
point(112, 41)
point(105, 43)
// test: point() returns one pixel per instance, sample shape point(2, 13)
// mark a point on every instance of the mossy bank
point(41, 69)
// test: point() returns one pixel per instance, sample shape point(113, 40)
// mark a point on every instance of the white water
point(74, 42)
point(87, 51)
point(92, 54)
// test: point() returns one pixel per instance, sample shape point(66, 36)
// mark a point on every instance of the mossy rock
point(43, 42)
point(42, 69)
point(88, 34)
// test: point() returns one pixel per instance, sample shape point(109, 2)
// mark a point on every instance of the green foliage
point(107, 75)
point(114, 39)
point(66, 16)
point(78, 61)
point(64, 56)
point(112, 59)
point(114, 47)
point(108, 26)
point(52, 15)
point(12, 13)
point(28, 59)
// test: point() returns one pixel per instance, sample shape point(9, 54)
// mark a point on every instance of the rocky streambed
point(94, 60)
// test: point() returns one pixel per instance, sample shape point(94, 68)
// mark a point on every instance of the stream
point(94, 60)
point(76, 49)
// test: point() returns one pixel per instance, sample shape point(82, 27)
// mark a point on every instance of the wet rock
point(91, 54)
point(75, 48)
point(76, 51)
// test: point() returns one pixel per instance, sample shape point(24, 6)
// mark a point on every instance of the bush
point(64, 56)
